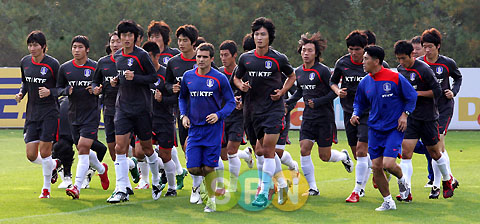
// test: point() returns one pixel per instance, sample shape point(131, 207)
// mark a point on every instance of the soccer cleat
point(104, 178)
point(111, 196)
point(387, 205)
point(348, 164)
point(73, 192)
point(171, 193)
point(55, 171)
point(429, 184)
point(283, 195)
point(195, 195)
point(249, 161)
point(220, 192)
point(210, 207)
point(142, 185)
point(134, 171)
point(44, 194)
point(353, 198)
point(404, 189)
point(260, 201)
point(448, 187)
point(313, 192)
point(180, 178)
point(129, 191)
point(434, 193)
point(67, 181)
point(118, 197)
point(408, 199)
point(156, 192)
point(362, 193)
point(163, 176)
point(88, 178)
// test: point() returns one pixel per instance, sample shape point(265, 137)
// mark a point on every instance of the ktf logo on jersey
point(165, 60)
point(130, 62)
point(439, 70)
point(43, 70)
point(268, 64)
point(210, 83)
point(412, 76)
point(311, 76)
point(87, 72)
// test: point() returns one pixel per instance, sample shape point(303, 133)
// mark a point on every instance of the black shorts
point(283, 138)
point(445, 116)
point(164, 135)
point(322, 133)
point(250, 132)
point(89, 131)
point(427, 131)
point(268, 124)
point(182, 132)
point(140, 124)
point(45, 130)
point(232, 131)
point(357, 133)
point(108, 122)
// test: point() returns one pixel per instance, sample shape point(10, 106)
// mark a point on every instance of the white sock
point(445, 154)
point(287, 160)
point(367, 173)
point(278, 172)
point(436, 174)
point(47, 172)
point(407, 170)
point(308, 171)
point(442, 166)
point(197, 180)
point(143, 169)
point(121, 173)
point(130, 162)
point(160, 163)
point(360, 169)
point(268, 172)
point(336, 156)
point(234, 169)
point(152, 161)
point(82, 168)
point(388, 198)
point(92, 156)
point(38, 160)
point(219, 170)
point(170, 172)
point(242, 154)
point(260, 161)
point(178, 166)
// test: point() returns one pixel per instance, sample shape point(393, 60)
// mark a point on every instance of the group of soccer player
point(144, 90)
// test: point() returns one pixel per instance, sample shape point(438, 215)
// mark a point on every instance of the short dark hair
point(189, 31)
point(416, 40)
point(81, 39)
point(141, 31)
point(160, 27)
point(126, 26)
point(356, 38)
point(403, 47)
point(38, 37)
point(433, 36)
point(267, 24)
point(207, 47)
point(376, 52)
point(200, 40)
point(371, 37)
point(110, 35)
point(151, 47)
point(248, 43)
point(229, 45)
point(315, 39)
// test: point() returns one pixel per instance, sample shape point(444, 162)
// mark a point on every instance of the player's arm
point(150, 73)
point(296, 96)
point(432, 82)
point(330, 96)
point(169, 78)
point(167, 98)
point(457, 77)
point(63, 88)
point(359, 104)
point(409, 94)
point(228, 98)
point(98, 78)
point(287, 69)
point(55, 67)
point(335, 80)
point(238, 74)
point(23, 88)
point(183, 97)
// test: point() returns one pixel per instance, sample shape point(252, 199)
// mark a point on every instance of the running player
point(75, 81)
point(392, 100)
point(39, 76)
point(201, 94)
point(159, 32)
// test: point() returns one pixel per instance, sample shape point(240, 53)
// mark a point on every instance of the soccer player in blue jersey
point(202, 92)
point(391, 99)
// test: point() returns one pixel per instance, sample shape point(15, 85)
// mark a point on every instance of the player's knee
point(324, 156)
point(31, 156)
point(361, 154)
point(195, 171)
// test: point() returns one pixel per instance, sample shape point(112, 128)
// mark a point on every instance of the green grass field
point(22, 182)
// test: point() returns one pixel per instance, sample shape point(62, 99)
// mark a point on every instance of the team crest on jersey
point(387, 87)
point(130, 62)
point(439, 70)
point(268, 64)
point(311, 76)
point(165, 60)
point(87, 72)
point(412, 77)
point(43, 70)
point(210, 83)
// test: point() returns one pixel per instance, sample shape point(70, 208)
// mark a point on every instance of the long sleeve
point(327, 98)
point(183, 98)
point(432, 82)
point(23, 88)
point(296, 96)
point(336, 76)
point(62, 87)
point(408, 93)
point(150, 77)
point(97, 76)
point(169, 78)
point(54, 91)
point(457, 77)
point(228, 98)
point(361, 102)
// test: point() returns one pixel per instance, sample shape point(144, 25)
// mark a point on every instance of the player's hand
point(19, 97)
point(311, 104)
point(114, 81)
point(342, 93)
point(176, 87)
point(449, 94)
point(245, 86)
point(278, 94)
point(186, 122)
point(43, 92)
point(97, 90)
point(212, 118)
point(70, 90)
point(129, 75)
point(89, 89)
point(238, 103)
point(355, 120)
point(402, 122)
point(158, 95)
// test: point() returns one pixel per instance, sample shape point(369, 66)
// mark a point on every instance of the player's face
point(308, 53)
point(418, 50)
point(227, 58)
point(139, 41)
point(127, 39)
point(79, 51)
point(184, 44)
point(35, 49)
point(431, 50)
point(203, 59)
point(260, 37)
point(356, 52)
point(115, 43)
point(154, 57)
point(157, 38)
point(369, 63)
point(405, 60)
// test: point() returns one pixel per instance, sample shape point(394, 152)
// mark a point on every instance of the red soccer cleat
point(44, 194)
point(104, 178)
point(408, 199)
point(55, 171)
point(448, 187)
point(73, 192)
point(353, 198)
